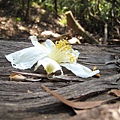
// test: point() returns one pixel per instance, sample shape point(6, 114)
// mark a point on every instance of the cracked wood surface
point(26, 100)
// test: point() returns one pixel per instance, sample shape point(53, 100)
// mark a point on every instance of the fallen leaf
point(17, 77)
point(116, 92)
point(95, 68)
point(31, 74)
point(97, 75)
point(78, 105)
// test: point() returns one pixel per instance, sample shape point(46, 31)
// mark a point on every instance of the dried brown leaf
point(78, 105)
point(95, 68)
point(17, 77)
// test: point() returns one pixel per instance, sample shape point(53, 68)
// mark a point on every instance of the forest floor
point(39, 21)
point(13, 27)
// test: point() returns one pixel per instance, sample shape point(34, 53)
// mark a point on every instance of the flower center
point(63, 52)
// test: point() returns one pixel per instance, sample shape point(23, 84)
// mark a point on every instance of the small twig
point(105, 33)
point(31, 74)
point(93, 64)
point(32, 80)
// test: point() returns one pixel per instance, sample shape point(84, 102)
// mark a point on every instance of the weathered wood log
point(26, 100)
point(72, 23)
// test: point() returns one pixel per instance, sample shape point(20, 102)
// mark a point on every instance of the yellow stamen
point(62, 52)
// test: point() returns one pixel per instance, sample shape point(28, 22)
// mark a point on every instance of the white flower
point(51, 56)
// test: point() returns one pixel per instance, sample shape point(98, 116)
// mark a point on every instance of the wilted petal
point(26, 58)
point(49, 65)
point(80, 70)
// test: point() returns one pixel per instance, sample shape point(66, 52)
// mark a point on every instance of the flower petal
point(49, 65)
point(34, 41)
point(26, 58)
point(80, 70)
point(48, 44)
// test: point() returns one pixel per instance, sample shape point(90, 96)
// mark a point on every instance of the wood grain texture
point(27, 100)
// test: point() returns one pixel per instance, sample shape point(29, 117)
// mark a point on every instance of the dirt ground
point(39, 21)
point(11, 28)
